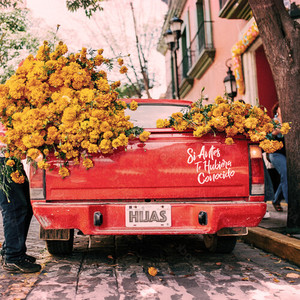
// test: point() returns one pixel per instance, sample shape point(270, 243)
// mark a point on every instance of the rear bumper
point(184, 217)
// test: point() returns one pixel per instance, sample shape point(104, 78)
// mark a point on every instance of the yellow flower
point(43, 165)
point(120, 61)
point(144, 136)
point(88, 163)
point(10, 163)
point(123, 70)
point(285, 128)
point(229, 141)
point(17, 177)
point(133, 105)
point(63, 172)
point(270, 146)
point(33, 153)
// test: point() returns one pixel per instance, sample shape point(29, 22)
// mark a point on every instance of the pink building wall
point(225, 34)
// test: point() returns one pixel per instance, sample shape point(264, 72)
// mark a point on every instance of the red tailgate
point(170, 165)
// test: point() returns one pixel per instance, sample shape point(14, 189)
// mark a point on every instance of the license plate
point(158, 215)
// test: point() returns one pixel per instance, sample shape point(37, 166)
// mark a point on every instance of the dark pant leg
point(17, 214)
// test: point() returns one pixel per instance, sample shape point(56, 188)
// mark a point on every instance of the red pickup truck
point(174, 183)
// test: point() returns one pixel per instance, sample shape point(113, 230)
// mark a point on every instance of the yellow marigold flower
point(123, 139)
point(46, 152)
point(133, 105)
point(33, 153)
point(17, 177)
point(105, 146)
point(120, 61)
point(251, 122)
point(285, 128)
point(63, 172)
point(123, 70)
point(107, 135)
point(257, 136)
point(85, 144)
point(76, 161)
point(270, 146)
point(231, 131)
point(144, 136)
point(87, 163)
point(116, 143)
point(219, 100)
point(43, 165)
point(105, 126)
point(6, 155)
point(10, 163)
point(160, 123)
point(229, 141)
point(92, 148)
point(197, 118)
point(201, 130)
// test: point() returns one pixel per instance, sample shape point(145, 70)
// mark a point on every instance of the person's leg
point(16, 219)
point(279, 162)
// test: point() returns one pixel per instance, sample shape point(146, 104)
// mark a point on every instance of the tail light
point(257, 186)
point(37, 183)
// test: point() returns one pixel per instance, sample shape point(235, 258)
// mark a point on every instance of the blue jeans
point(17, 216)
point(279, 162)
point(269, 190)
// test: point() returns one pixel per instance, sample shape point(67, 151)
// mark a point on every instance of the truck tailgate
point(170, 165)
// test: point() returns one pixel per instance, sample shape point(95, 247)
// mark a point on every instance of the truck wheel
point(219, 244)
point(61, 247)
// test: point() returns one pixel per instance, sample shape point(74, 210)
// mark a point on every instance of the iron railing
point(201, 41)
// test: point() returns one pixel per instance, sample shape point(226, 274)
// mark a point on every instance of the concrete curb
point(279, 244)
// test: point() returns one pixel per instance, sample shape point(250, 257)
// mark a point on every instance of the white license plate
point(158, 215)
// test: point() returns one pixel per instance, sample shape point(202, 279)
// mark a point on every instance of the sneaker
point(267, 215)
point(30, 258)
point(23, 266)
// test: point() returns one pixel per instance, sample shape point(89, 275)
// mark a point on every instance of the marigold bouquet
point(64, 104)
point(233, 118)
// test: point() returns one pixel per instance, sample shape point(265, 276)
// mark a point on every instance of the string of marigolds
point(233, 118)
point(63, 105)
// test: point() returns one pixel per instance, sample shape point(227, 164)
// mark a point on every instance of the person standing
point(278, 160)
point(17, 214)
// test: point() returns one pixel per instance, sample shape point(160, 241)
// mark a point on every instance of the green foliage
point(89, 6)
point(14, 40)
point(9, 3)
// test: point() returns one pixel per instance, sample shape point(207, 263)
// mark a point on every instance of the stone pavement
point(271, 236)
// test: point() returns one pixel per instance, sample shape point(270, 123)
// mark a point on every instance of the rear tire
point(219, 244)
point(61, 247)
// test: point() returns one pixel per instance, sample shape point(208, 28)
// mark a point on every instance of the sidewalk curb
point(276, 243)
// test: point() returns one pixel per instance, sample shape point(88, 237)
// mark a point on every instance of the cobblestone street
point(116, 267)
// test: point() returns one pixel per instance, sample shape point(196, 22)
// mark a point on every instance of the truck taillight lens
point(257, 186)
point(37, 185)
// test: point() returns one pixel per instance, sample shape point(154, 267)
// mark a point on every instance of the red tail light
point(257, 186)
point(36, 180)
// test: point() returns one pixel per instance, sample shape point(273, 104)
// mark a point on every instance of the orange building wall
point(225, 34)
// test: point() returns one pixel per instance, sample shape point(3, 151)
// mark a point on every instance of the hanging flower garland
point(237, 50)
point(63, 105)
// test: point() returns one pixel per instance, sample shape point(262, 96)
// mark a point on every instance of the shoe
point(277, 206)
point(30, 258)
point(22, 266)
point(267, 215)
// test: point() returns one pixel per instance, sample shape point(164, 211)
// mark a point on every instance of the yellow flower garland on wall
point(64, 104)
point(237, 50)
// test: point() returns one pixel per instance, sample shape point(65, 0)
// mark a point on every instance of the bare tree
point(280, 35)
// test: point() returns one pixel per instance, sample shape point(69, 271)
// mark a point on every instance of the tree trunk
point(281, 40)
